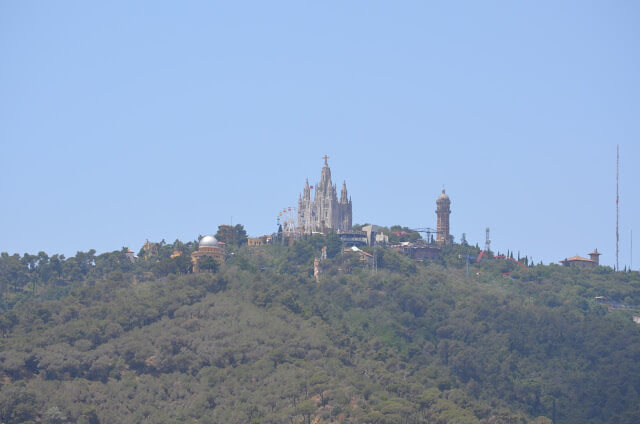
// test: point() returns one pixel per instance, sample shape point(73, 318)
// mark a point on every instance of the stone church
point(325, 212)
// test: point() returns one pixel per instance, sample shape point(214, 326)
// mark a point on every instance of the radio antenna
point(617, 205)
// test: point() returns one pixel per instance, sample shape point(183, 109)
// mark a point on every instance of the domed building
point(208, 247)
point(208, 241)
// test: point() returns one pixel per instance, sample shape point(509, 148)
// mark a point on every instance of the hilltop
point(93, 339)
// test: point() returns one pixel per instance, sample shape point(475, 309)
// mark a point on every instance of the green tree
point(301, 253)
point(232, 235)
point(53, 415)
point(307, 409)
point(17, 405)
point(209, 264)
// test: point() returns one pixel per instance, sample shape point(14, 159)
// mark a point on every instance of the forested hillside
point(101, 339)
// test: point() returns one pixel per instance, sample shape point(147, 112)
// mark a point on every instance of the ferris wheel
point(287, 217)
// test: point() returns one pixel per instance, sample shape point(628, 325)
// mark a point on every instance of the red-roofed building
point(580, 262)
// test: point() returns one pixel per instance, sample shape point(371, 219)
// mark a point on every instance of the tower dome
point(208, 241)
point(443, 196)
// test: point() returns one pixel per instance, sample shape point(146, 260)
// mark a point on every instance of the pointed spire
point(306, 195)
point(343, 194)
point(325, 177)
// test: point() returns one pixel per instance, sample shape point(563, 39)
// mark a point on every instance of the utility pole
point(373, 264)
point(617, 205)
point(468, 258)
point(487, 241)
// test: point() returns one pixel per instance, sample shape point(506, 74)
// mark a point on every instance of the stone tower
point(325, 212)
point(443, 210)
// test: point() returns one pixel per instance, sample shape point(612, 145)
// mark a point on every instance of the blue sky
point(121, 122)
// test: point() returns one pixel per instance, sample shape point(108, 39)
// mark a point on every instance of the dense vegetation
point(101, 339)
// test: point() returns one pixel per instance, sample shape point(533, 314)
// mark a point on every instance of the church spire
point(343, 194)
point(325, 177)
point(306, 194)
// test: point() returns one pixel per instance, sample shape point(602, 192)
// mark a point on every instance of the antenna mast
point(617, 205)
point(487, 241)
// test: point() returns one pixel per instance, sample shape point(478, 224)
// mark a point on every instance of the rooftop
point(577, 258)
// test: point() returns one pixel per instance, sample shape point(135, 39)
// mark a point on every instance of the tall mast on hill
point(617, 205)
point(487, 241)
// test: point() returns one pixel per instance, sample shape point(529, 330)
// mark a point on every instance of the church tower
point(443, 210)
point(345, 209)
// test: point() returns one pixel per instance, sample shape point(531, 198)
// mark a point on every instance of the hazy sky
point(121, 121)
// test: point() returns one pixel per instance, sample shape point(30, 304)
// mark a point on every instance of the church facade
point(325, 212)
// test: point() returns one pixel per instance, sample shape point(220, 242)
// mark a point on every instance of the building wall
point(582, 264)
point(199, 255)
point(256, 241)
